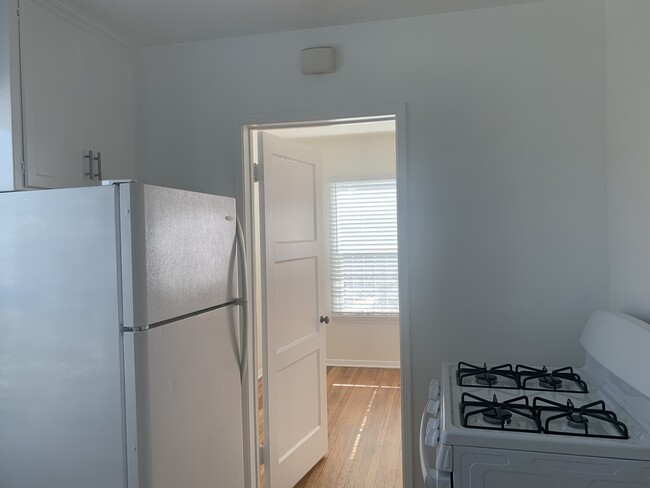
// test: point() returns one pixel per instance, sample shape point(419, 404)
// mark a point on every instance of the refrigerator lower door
point(178, 253)
point(188, 402)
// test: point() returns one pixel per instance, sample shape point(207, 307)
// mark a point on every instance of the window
point(363, 218)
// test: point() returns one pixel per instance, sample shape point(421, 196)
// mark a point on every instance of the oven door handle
point(424, 461)
point(432, 477)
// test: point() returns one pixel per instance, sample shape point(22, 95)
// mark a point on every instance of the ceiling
point(152, 22)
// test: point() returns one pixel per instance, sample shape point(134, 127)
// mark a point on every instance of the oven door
point(430, 440)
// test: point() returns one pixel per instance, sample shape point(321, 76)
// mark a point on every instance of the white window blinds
point(363, 218)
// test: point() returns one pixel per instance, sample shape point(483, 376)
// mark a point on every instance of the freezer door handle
point(242, 301)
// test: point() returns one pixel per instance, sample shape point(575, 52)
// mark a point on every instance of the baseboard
point(361, 363)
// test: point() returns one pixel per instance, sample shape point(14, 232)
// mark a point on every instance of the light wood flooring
point(364, 429)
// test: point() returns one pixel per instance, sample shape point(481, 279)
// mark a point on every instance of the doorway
point(358, 161)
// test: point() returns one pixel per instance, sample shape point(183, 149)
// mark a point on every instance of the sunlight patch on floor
point(363, 424)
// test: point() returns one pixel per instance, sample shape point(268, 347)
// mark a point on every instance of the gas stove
point(489, 426)
point(561, 414)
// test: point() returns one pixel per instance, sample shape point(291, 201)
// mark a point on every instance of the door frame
point(244, 187)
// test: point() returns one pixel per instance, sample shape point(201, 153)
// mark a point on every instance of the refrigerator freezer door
point(189, 403)
point(178, 251)
point(61, 403)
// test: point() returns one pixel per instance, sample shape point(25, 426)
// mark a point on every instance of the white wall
point(628, 155)
point(373, 341)
point(506, 159)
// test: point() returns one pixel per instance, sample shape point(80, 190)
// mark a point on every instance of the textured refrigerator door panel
point(179, 252)
point(61, 422)
point(189, 407)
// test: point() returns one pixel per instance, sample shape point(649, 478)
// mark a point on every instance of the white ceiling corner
point(152, 22)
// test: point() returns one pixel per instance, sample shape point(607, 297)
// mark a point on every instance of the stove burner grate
point(502, 376)
point(522, 377)
point(497, 415)
point(578, 418)
point(563, 379)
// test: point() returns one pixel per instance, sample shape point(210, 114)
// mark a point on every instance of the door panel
point(300, 403)
point(297, 300)
point(189, 404)
point(295, 403)
point(296, 202)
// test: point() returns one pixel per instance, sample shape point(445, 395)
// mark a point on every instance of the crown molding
point(81, 19)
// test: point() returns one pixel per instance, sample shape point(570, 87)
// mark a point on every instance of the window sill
point(366, 319)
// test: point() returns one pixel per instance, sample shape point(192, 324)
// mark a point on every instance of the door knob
point(324, 319)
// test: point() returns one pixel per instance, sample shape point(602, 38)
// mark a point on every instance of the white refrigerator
point(121, 344)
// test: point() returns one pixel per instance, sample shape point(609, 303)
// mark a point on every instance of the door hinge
point(258, 173)
point(261, 455)
point(22, 167)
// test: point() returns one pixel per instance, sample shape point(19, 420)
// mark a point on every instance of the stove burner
point(564, 379)
point(550, 382)
point(486, 379)
point(577, 421)
point(497, 416)
point(502, 376)
point(577, 418)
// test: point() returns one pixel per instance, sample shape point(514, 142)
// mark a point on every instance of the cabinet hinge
point(258, 173)
point(22, 167)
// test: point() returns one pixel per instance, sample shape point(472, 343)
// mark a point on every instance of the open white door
point(295, 393)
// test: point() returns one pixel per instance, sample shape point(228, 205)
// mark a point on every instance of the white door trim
point(244, 186)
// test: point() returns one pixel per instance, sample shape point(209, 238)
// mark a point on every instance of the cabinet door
point(110, 87)
point(54, 98)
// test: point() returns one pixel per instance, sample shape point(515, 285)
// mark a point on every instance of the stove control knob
point(433, 424)
point(432, 437)
point(433, 407)
point(434, 390)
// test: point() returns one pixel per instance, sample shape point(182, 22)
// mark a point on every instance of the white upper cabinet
point(77, 102)
point(54, 84)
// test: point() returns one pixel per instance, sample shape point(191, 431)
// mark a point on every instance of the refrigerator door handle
point(242, 301)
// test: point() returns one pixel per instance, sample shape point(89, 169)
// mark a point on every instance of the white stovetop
point(453, 433)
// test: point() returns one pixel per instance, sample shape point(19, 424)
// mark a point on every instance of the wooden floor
point(364, 428)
